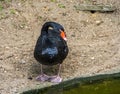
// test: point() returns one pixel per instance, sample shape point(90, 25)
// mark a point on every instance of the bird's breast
point(50, 52)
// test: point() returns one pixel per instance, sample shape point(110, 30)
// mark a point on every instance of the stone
point(95, 8)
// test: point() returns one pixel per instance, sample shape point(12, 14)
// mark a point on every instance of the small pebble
point(5, 71)
point(22, 61)
point(19, 4)
point(98, 22)
point(1, 58)
point(92, 58)
point(9, 56)
point(17, 69)
point(30, 78)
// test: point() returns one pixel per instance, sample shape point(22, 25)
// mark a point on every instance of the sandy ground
point(93, 40)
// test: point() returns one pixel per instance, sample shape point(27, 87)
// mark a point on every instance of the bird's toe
point(42, 77)
point(55, 79)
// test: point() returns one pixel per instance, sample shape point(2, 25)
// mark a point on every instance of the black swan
point(51, 49)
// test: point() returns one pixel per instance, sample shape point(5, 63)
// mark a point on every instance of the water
point(100, 84)
point(105, 87)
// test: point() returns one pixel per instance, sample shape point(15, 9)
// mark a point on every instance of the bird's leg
point(57, 78)
point(42, 77)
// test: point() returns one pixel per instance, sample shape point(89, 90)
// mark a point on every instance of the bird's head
point(55, 29)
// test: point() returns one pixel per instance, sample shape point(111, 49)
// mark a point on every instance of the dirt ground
point(93, 40)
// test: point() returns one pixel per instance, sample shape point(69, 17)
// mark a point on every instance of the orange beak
point(62, 34)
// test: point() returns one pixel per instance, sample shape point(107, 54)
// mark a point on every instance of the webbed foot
point(42, 77)
point(55, 79)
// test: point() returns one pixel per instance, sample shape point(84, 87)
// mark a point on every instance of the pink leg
point(57, 78)
point(42, 77)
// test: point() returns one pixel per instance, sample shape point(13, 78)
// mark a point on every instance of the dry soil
point(93, 40)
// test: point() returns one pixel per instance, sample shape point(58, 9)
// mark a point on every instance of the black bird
point(51, 49)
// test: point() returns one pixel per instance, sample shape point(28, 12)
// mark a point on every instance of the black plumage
point(51, 47)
